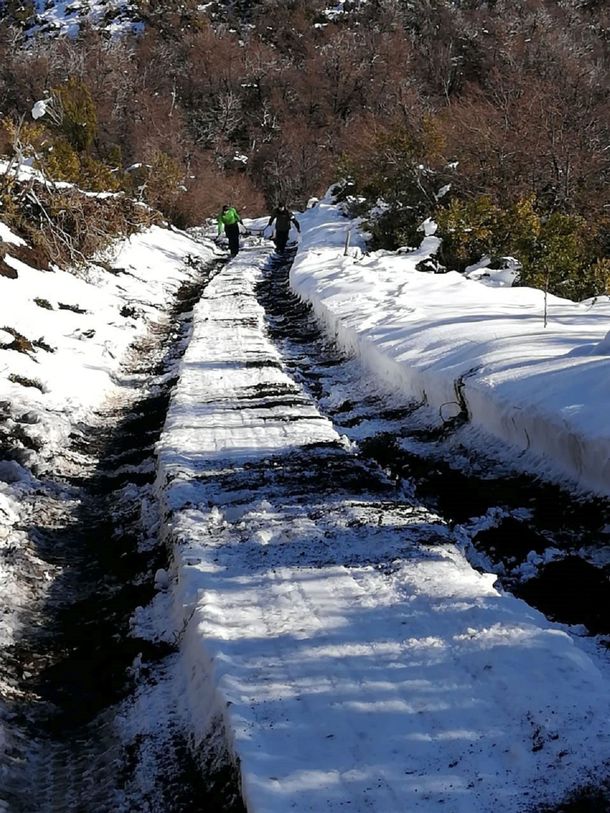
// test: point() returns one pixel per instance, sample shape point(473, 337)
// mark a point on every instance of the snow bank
point(448, 340)
point(353, 656)
point(81, 327)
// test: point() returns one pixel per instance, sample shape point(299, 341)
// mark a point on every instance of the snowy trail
point(332, 627)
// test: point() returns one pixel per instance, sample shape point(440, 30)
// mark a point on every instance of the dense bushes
point(558, 252)
point(490, 117)
point(65, 226)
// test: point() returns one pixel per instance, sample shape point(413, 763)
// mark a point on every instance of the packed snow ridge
point(455, 342)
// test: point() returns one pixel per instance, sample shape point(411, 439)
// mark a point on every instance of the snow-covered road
point(334, 628)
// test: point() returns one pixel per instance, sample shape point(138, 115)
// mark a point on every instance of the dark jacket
point(283, 218)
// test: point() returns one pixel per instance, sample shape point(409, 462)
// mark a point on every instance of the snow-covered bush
point(66, 226)
point(559, 253)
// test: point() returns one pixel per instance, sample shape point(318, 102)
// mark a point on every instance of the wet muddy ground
point(78, 666)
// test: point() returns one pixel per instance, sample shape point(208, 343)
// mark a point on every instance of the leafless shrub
point(26, 382)
point(20, 343)
point(68, 227)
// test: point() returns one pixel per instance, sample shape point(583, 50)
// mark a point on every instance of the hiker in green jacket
point(229, 220)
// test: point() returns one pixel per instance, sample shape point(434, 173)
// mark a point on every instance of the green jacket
point(228, 218)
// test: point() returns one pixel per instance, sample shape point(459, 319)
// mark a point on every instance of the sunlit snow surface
point(357, 660)
point(67, 16)
point(544, 391)
point(81, 319)
point(86, 323)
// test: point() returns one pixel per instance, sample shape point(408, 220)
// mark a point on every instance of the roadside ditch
point(83, 687)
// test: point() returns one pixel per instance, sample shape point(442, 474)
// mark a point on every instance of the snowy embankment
point(333, 631)
point(63, 338)
point(450, 341)
point(79, 326)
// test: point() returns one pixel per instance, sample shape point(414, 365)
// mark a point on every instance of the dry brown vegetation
point(20, 343)
point(65, 226)
point(506, 102)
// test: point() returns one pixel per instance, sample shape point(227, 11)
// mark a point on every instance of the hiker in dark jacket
point(229, 220)
point(283, 217)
